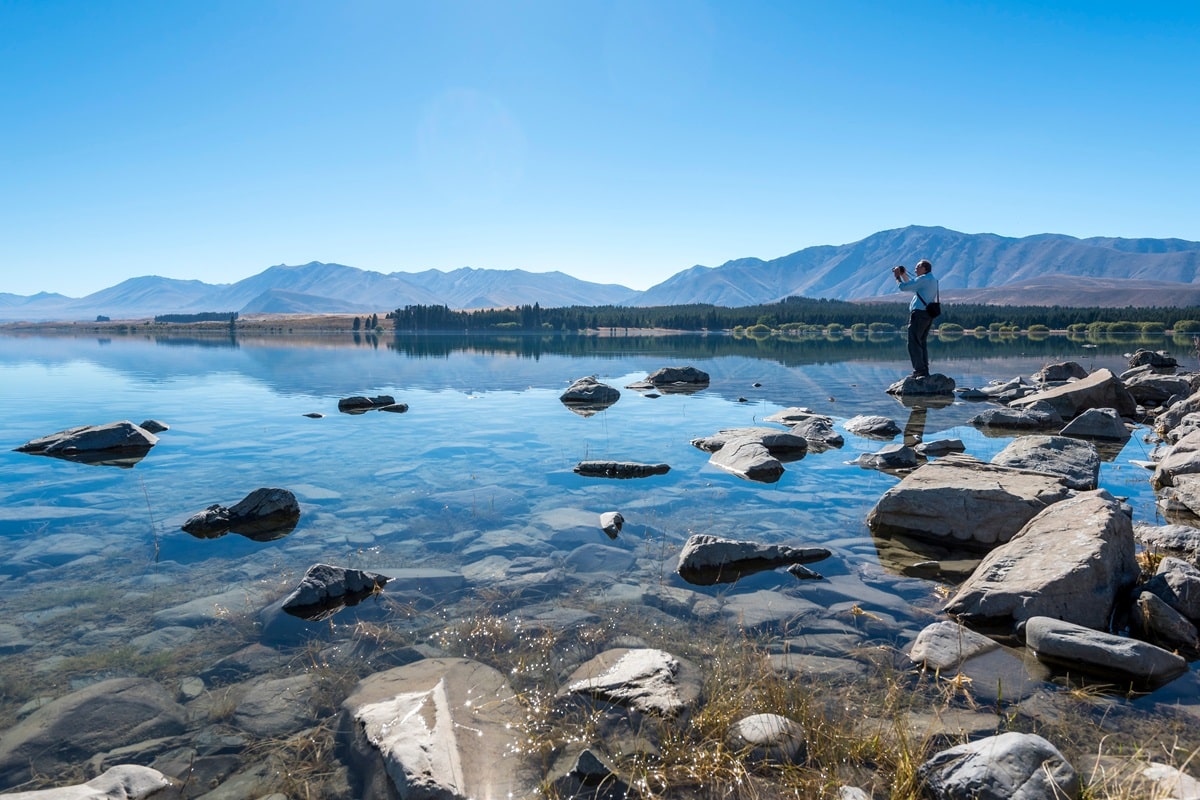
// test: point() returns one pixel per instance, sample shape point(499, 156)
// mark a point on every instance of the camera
point(898, 271)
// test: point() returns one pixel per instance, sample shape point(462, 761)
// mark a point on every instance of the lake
point(469, 497)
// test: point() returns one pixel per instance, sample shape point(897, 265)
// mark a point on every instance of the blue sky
point(619, 142)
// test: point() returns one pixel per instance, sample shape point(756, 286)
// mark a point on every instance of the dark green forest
point(792, 312)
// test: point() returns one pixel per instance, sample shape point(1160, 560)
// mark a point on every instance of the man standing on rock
point(925, 292)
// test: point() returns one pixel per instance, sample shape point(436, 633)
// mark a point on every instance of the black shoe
point(919, 375)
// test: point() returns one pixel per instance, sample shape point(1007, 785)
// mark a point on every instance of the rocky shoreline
point(529, 695)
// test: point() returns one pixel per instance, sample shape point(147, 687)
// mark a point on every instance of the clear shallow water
point(475, 476)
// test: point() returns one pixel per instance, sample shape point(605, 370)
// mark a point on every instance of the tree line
point(792, 312)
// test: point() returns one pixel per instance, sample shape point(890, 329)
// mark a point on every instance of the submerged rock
point(611, 523)
point(122, 782)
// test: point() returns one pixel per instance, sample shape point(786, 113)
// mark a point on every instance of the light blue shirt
point(924, 289)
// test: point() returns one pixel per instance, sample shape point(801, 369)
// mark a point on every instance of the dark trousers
point(919, 323)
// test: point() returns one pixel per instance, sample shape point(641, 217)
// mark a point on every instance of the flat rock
point(959, 500)
point(646, 680)
point(706, 560)
point(892, 456)
point(437, 728)
point(940, 447)
point(1102, 654)
point(933, 384)
point(1075, 462)
point(1091, 538)
point(1010, 766)
point(1100, 389)
point(1182, 540)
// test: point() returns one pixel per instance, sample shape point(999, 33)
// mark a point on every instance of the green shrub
point(1186, 326)
point(1039, 328)
point(881, 327)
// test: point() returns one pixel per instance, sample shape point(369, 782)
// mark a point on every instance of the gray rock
point(264, 514)
point(1101, 654)
point(395, 408)
point(611, 523)
point(892, 456)
point(1002, 391)
point(940, 447)
point(644, 679)
point(154, 426)
point(944, 645)
point(1152, 389)
point(1076, 463)
point(1104, 424)
point(666, 377)
point(326, 589)
point(1010, 766)
point(872, 426)
point(934, 384)
point(769, 738)
point(1039, 417)
point(748, 458)
point(794, 416)
point(1182, 540)
point(1091, 537)
point(358, 404)
point(1175, 412)
point(103, 716)
point(1161, 625)
point(441, 727)
point(782, 444)
point(1060, 372)
point(706, 559)
point(123, 435)
point(1159, 359)
point(590, 392)
point(959, 500)
point(122, 782)
point(1182, 459)
point(820, 433)
point(620, 469)
point(1101, 389)
point(1177, 583)
point(587, 775)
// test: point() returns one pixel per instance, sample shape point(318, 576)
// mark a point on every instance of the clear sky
point(618, 141)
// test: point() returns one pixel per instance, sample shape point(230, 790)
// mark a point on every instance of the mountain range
point(1046, 269)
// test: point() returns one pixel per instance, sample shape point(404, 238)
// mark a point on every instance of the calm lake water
point(475, 477)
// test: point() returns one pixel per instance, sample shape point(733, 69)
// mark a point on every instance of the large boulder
point(1075, 462)
point(438, 728)
point(706, 560)
point(1158, 359)
point(98, 718)
point(1182, 459)
point(1091, 539)
point(1038, 417)
point(1101, 654)
point(936, 384)
point(961, 501)
point(674, 380)
point(1177, 583)
point(1152, 389)
point(1101, 389)
point(1009, 766)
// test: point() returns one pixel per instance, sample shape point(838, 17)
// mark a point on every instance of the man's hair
point(924, 263)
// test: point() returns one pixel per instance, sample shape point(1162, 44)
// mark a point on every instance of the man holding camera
point(925, 292)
